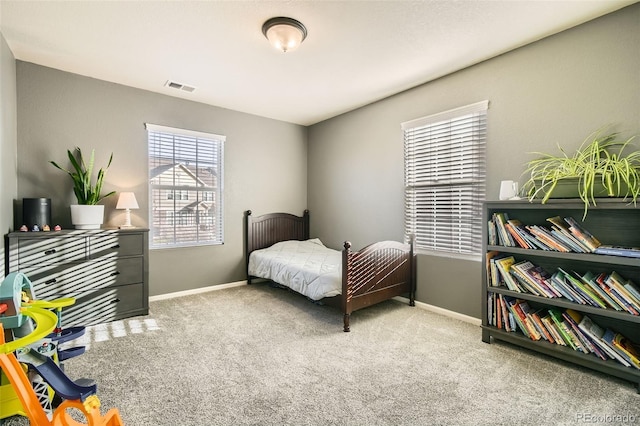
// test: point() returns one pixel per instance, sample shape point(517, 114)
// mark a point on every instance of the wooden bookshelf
point(613, 222)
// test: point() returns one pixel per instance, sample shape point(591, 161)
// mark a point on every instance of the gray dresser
point(107, 271)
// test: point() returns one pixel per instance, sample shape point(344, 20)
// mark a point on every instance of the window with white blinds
point(445, 179)
point(185, 187)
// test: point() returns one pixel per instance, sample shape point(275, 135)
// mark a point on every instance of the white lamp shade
point(127, 200)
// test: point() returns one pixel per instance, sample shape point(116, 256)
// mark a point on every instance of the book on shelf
point(626, 350)
point(496, 277)
point(569, 317)
point(542, 329)
point(590, 279)
point(492, 236)
point(513, 305)
point(498, 314)
point(492, 277)
point(507, 317)
point(568, 242)
point(565, 328)
point(553, 330)
point(596, 333)
point(504, 265)
point(528, 320)
point(536, 243)
point(633, 289)
point(559, 282)
point(573, 318)
point(517, 237)
point(583, 289)
point(618, 251)
point(582, 233)
point(524, 282)
point(627, 288)
point(494, 310)
point(544, 235)
point(534, 278)
point(562, 228)
point(614, 295)
point(570, 339)
point(617, 285)
point(504, 237)
point(523, 307)
point(602, 291)
point(624, 347)
point(564, 235)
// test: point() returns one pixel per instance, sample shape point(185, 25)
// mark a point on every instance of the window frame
point(177, 193)
point(461, 194)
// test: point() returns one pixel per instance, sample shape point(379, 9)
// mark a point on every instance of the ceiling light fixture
point(284, 34)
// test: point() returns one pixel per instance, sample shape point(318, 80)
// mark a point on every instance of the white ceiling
point(356, 52)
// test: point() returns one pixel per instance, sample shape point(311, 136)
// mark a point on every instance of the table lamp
point(127, 201)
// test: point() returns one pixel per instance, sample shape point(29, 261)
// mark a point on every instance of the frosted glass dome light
point(285, 34)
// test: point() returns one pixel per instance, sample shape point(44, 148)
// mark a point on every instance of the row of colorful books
point(565, 328)
point(563, 234)
point(603, 290)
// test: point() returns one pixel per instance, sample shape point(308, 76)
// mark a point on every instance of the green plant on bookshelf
point(603, 166)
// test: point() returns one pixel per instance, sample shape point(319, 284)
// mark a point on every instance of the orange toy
point(90, 407)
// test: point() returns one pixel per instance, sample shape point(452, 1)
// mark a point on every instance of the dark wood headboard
point(268, 229)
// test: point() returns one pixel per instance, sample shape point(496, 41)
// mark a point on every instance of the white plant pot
point(87, 217)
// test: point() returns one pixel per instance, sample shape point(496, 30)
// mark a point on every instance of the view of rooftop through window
point(186, 180)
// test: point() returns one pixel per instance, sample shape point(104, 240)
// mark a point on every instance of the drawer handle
point(113, 274)
point(115, 300)
point(51, 281)
point(50, 251)
point(117, 246)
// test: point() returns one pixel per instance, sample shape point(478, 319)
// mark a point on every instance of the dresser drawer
point(57, 281)
point(105, 270)
point(75, 279)
point(116, 245)
point(106, 305)
point(110, 272)
point(46, 251)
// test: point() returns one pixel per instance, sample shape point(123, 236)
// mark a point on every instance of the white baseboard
point(432, 308)
point(196, 291)
point(445, 312)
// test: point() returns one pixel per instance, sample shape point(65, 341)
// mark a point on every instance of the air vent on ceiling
point(179, 86)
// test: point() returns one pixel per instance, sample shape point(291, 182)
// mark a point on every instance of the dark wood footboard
point(378, 272)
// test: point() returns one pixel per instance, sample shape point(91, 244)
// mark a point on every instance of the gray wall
point(8, 140)
point(557, 90)
point(265, 161)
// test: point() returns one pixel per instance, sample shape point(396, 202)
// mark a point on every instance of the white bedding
point(307, 267)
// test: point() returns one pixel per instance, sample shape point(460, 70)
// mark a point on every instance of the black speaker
point(36, 211)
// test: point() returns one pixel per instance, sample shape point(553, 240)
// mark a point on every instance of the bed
point(278, 248)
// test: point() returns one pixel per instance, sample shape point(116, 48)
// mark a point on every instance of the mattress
point(307, 267)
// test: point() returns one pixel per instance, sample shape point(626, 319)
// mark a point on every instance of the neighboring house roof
point(157, 171)
point(192, 206)
point(160, 170)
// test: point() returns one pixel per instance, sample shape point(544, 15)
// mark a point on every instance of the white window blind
point(445, 179)
point(185, 186)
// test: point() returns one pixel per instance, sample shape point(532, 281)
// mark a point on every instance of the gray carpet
point(257, 355)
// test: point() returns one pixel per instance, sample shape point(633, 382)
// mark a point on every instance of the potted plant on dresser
point(87, 214)
point(603, 166)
